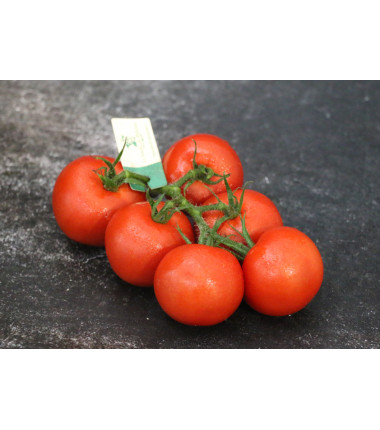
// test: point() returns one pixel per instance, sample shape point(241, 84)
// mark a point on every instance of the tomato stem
point(207, 236)
point(175, 195)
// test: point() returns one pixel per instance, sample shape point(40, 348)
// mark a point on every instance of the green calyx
point(112, 181)
point(171, 198)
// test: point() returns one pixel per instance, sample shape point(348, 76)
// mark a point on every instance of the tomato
point(199, 285)
point(213, 152)
point(135, 244)
point(282, 272)
point(82, 206)
point(260, 213)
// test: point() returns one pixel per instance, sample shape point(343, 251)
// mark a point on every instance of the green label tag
point(141, 154)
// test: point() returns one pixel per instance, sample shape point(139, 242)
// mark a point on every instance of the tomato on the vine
point(212, 151)
point(199, 284)
point(260, 213)
point(135, 244)
point(282, 272)
point(81, 204)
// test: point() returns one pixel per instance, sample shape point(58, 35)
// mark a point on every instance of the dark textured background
point(313, 147)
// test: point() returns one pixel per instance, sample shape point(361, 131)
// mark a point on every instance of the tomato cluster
point(195, 270)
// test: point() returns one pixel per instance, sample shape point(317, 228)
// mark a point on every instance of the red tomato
point(199, 284)
point(213, 152)
point(82, 206)
point(282, 272)
point(260, 212)
point(135, 244)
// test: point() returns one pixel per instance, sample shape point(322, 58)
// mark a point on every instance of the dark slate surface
point(313, 147)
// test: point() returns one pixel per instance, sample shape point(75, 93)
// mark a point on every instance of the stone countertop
point(312, 147)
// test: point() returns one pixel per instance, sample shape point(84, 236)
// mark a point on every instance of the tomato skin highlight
point(213, 152)
point(260, 212)
point(282, 272)
point(82, 206)
point(199, 285)
point(135, 244)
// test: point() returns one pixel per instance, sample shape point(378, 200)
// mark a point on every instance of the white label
point(140, 144)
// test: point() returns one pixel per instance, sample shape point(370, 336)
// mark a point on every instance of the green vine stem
point(176, 201)
point(112, 181)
